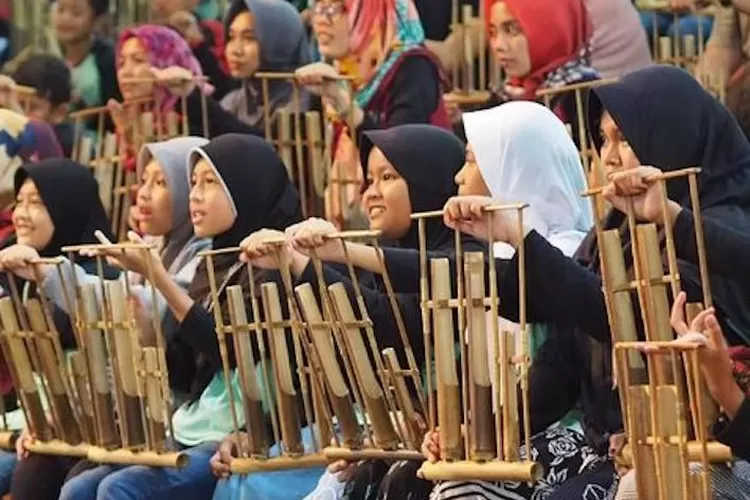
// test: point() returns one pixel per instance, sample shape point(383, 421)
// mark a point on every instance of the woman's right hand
point(468, 214)
point(264, 249)
point(312, 236)
point(25, 437)
point(431, 446)
point(178, 80)
point(221, 460)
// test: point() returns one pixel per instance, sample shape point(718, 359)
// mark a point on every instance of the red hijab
point(557, 32)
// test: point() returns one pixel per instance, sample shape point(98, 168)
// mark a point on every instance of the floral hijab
point(165, 48)
point(381, 31)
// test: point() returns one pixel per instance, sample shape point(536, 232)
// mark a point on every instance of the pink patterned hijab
point(165, 48)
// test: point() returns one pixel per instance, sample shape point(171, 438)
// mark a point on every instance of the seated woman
point(618, 43)
point(645, 119)
point(395, 80)
point(728, 48)
point(57, 204)
point(261, 37)
point(397, 186)
point(541, 45)
point(229, 199)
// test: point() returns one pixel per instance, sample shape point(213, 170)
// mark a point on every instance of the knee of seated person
point(116, 487)
point(79, 488)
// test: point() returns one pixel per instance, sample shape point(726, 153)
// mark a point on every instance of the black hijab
point(671, 122)
point(428, 158)
point(259, 186)
point(71, 195)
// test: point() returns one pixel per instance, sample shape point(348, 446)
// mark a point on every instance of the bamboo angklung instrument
point(666, 410)
point(304, 142)
point(477, 414)
point(393, 423)
point(292, 389)
point(81, 421)
point(106, 152)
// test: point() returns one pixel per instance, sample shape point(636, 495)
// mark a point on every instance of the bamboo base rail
point(57, 448)
point(350, 455)
point(529, 472)
point(8, 440)
point(175, 460)
point(718, 453)
point(256, 465)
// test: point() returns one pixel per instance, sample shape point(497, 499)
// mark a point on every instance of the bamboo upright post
point(481, 441)
point(661, 390)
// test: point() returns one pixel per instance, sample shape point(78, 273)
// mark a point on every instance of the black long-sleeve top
point(220, 121)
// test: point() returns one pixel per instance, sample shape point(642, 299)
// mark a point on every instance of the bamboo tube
point(252, 400)
point(96, 352)
point(251, 466)
point(299, 152)
point(121, 331)
point(147, 458)
point(469, 83)
point(338, 391)
point(154, 397)
point(644, 460)
point(54, 375)
point(650, 252)
point(415, 424)
point(373, 397)
point(665, 50)
point(448, 389)
point(23, 372)
point(8, 440)
point(482, 427)
point(315, 151)
point(78, 368)
point(489, 471)
point(286, 395)
point(284, 142)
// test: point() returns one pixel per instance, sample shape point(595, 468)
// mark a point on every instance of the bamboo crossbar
point(718, 453)
point(490, 208)
point(575, 86)
point(664, 176)
point(8, 440)
point(251, 466)
point(267, 75)
point(350, 455)
point(528, 472)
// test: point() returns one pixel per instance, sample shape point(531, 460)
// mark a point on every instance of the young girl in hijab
point(161, 212)
point(229, 199)
point(645, 120)
point(379, 44)
point(397, 186)
point(143, 53)
point(262, 36)
point(541, 45)
point(22, 139)
point(57, 204)
point(503, 163)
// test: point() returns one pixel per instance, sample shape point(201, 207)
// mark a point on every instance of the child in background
point(91, 58)
point(51, 78)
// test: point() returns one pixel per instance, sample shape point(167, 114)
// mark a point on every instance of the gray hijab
point(172, 156)
point(283, 48)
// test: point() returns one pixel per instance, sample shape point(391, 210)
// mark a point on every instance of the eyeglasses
point(329, 10)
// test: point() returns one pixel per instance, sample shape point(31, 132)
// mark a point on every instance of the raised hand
point(468, 214)
point(639, 187)
point(262, 249)
point(19, 259)
point(431, 446)
point(178, 80)
point(312, 236)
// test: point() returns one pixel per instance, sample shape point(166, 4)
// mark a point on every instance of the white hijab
point(526, 155)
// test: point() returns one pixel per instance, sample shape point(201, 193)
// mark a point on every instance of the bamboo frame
point(292, 394)
point(485, 447)
point(107, 152)
point(662, 395)
point(393, 423)
point(80, 420)
point(304, 141)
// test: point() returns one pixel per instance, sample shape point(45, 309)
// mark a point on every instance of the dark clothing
point(66, 136)
point(212, 68)
point(411, 92)
point(104, 54)
point(40, 477)
point(436, 16)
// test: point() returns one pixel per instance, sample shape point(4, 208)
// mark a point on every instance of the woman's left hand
point(19, 259)
point(179, 81)
point(323, 79)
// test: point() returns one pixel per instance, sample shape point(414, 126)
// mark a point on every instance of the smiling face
point(210, 207)
point(134, 63)
point(386, 200)
point(508, 41)
point(73, 20)
point(616, 153)
point(469, 179)
point(331, 26)
point(243, 50)
point(31, 219)
point(154, 201)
